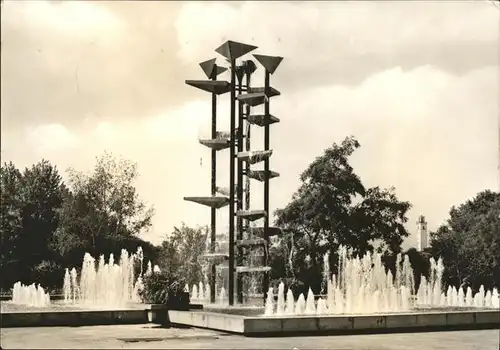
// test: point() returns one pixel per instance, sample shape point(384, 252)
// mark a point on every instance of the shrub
point(294, 284)
point(165, 288)
point(48, 274)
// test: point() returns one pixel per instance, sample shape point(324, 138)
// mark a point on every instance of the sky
point(417, 83)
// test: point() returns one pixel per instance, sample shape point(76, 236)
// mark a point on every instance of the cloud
point(345, 42)
point(431, 134)
point(52, 138)
point(415, 82)
point(62, 61)
point(66, 19)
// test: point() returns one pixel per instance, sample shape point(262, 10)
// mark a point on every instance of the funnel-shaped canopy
point(240, 72)
point(251, 215)
point(254, 157)
point(209, 66)
point(262, 175)
point(260, 119)
point(211, 201)
point(270, 63)
point(218, 87)
point(233, 50)
point(216, 144)
point(249, 66)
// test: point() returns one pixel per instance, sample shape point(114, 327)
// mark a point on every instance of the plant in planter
point(165, 288)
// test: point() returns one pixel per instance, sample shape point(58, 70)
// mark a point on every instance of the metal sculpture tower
point(240, 161)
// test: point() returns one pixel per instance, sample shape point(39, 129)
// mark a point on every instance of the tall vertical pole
point(247, 164)
point(247, 148)
point(214, 186)
point(239, 194)
point(266, 182)
point(231, 183)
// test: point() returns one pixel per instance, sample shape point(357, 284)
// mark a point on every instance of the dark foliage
point(165, 288)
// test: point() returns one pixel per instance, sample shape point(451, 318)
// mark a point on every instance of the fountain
point(430, 295)
point(300, 306)
point(201, 293)
point(363, 286)
point(107, 285)
point(222, 296)
point(290, 303)
point(322, 308)
point(269, 303)
point(280, 309)
point(32, 295)
point(310, 305)
point(194, 292)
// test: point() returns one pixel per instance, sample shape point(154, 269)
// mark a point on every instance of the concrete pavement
point(153, 337)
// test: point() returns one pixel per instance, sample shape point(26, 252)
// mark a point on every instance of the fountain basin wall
point(73, 318)
point(345, 324)
point(7, 297)
point(155, 313)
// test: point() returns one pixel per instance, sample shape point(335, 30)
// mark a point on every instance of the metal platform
point(210, 201)
point(216, 144)
point(262, 175)
point(259, 231)
point(250, 242)
point(251, 215)
point(250, 269)
point(254, 157)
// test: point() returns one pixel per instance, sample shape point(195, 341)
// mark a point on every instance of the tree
point(43, 193)
point(11, 223)
point(332, 207)
point(469, 242)
point(31, 204)
point(183, 251)
point(102, 209)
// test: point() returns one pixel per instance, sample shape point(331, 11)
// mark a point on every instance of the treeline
point(469, 242)
point(332, 207)
point(47, 224)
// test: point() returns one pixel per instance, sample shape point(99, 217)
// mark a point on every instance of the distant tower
point(423, 241)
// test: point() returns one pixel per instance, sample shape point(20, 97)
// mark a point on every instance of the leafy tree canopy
point(31, 204)
point(182, 251)
point(102, 209)
point(469, 242)
point(332, 207)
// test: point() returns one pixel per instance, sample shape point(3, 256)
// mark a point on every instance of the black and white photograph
point(250, 174)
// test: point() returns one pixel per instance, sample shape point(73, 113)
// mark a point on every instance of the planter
point(158, 313)
point(179, 302)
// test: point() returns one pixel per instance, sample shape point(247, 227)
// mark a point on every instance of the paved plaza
point(153, 337)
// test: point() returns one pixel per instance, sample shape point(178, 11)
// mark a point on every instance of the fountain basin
point(417, 321)
point(8, 297)
point(73, 318)
point(61, 314)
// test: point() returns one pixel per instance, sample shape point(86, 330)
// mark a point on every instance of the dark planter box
point(180, 302)
point(158, 313)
